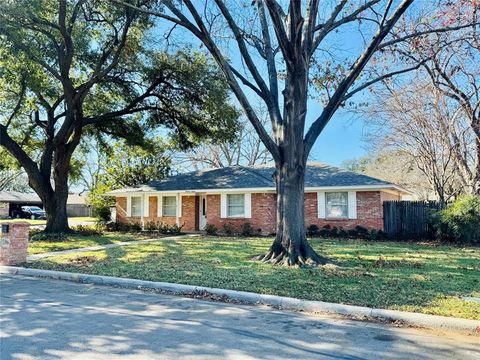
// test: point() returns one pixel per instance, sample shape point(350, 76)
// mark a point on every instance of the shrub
point(88, 230)
point(43, 236)
point(228, 229)
point(102, 213)
point(352, 233)
point(211, 229)
point(362, 232)
point(313, 230)
point(342, 233)
point(334, 232)
point(171, 229)
point(151, 225)
point(246, 229)
point(459, 221)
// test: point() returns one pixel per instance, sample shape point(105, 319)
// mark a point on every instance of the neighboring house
point(77, 206)
point(14, 200)
point(237, 195)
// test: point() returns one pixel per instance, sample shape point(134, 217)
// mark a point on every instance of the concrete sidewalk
point(50, 319)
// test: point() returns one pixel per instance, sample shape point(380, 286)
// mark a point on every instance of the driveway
point(48, 319)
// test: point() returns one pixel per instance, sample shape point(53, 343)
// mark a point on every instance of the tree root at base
point(286, 258)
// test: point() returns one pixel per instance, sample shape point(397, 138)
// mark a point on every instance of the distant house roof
point(19, 197)
point(76, 199)
point(256, 177)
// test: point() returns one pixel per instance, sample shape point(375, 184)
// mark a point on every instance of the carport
point(12, 200)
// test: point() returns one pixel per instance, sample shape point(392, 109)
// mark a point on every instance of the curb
point(408, 318)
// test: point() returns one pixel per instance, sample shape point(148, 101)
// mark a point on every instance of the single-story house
point(14, 200)
point(236, 195)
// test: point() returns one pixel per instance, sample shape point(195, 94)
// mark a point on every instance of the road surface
point(48, 319)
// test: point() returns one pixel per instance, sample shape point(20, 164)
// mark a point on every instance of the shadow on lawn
point(44, 319)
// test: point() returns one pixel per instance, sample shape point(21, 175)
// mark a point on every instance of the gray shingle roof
point(19, 197)
point(241, 177)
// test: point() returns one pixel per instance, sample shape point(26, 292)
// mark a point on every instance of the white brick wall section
point(223, 206)
point(248, 206)
point(129, 206)
point(352, 204)
point(321, 204)
point(159, 206)
point(146, 202)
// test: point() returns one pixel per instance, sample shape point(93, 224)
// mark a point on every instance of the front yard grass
point(401, 276)
point(79, 241)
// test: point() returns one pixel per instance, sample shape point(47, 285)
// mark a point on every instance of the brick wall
point(14, 244)
point(369, 212)
point(263, 214)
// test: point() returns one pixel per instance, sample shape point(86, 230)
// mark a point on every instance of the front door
point(203, 212)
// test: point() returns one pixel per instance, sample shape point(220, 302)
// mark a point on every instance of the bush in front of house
point(228, 229)
point(246, 229)
point(359, 232)
point(211, 229)
point(459, 221)
point(313, 230)
point(88, 230)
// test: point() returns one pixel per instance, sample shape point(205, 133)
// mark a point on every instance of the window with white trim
point(336, 205)
point(169, 206)
point(136, 206)
point(235, 205)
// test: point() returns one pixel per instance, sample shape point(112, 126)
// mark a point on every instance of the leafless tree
point(267, 49)
point(450, 61)
point(416, 120)
point(246, 149)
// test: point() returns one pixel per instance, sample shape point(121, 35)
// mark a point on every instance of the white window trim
point(131, 204)
point(247, 206)
point(351, 205)
point(159, 206)
point(176, 206)
point(146, 205)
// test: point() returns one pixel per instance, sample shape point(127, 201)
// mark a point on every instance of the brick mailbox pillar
point(13, 243)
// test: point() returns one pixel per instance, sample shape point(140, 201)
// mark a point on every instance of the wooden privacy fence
point(79, 210)
point(409, 220)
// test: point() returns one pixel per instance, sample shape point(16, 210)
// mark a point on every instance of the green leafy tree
point(76, 69)
point(127, 166)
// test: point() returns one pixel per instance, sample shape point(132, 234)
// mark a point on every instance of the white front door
point(203, 212)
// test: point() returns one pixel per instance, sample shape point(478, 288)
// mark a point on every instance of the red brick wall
point(14, 244)
point(263, 214)
point(369, 212)
point(189, 213)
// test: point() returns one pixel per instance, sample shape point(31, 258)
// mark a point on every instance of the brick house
point(237, 195)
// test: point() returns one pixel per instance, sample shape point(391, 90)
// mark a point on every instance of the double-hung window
point(169, 206)
point(336, 205)
point(136, 207)
point(235, 205)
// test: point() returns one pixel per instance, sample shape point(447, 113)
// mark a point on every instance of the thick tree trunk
point(56, 209)
point(290, 246)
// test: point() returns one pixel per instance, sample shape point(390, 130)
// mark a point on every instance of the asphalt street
point(48, 319)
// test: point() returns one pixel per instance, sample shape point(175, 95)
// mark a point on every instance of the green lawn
point(412, 277)
point(78, 241)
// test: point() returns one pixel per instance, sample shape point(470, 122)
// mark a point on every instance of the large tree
point(267, 49)
point(70, 69)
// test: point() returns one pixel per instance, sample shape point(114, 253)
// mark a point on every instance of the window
point(336, 204)
point(169, 206)
point(136, 206)
point(235, 205)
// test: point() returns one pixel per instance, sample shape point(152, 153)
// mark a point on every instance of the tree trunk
point(56, 204)
point(56, 209)
point(290, 246)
